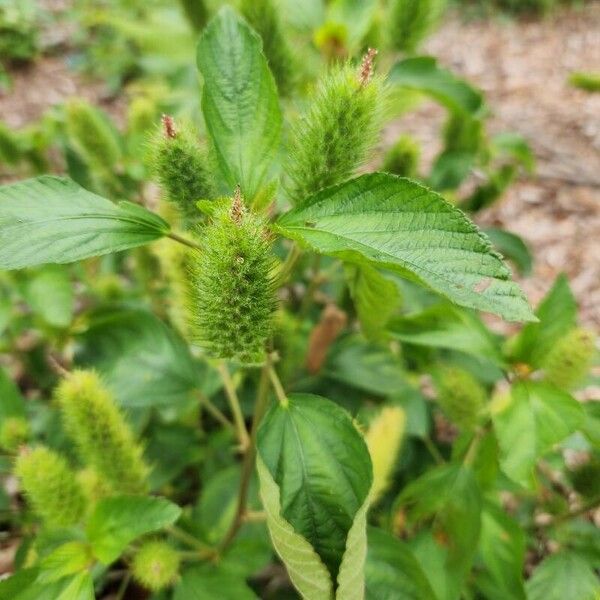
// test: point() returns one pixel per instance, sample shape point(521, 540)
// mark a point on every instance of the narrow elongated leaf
point(322, 466)
point(423, 74)
point(528, 422)
point(239, 101)
point(53, 220)
point(119, 520)
point(398, 224)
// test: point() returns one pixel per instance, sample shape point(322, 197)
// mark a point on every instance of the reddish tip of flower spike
point(366, 67)
point(169, 126)
point(237, 206)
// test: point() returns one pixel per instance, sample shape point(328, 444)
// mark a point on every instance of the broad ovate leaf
point(53, 220)
point(322, 468)
point(397, 224)
point(239, 102)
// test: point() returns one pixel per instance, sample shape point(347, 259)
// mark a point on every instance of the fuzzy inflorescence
point(103, 438)
point(233, 298)
point(460, 395)
point(50, 487)
point(334, 137)
point(181, 166)
point(156, 565)
point(197, 13)
point(403, 157)
point(14, 431)
point(570, 359)
point(411, 21)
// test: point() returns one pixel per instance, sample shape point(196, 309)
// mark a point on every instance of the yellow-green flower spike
point(336, 134)
point(460, 396)
point(403, 157)
point(570, 360)
point(384, 439)
point(14, 431)
point(181, 166)
point(50, 487)
point(156, 565)
point(103, 438)
point(233, 296)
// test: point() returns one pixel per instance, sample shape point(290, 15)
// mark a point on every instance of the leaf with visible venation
point(24, 586)
point(423, 74)
point(392, 572)
point(207, 582)
point(397, 224)
point(142, 360)
point(53, 220)
point(119, 520)
point(512, 247)
point(239, 102)
point(528, 422)
point(322, 467)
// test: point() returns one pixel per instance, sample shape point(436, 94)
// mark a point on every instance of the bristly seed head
point(237, 206)
point(366, 67)
point(169, 126)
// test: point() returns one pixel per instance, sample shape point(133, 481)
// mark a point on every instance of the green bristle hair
point(335, 136)
point(92, 136)
point(264, 17)
point(103, 438)
point(50, 487)
point(232, 289)
point(181, 166)
point(14, 431)
point(403, 157)
point(156, 565)
point(570, 360)
point(196, 12)
point(411, 21)
point(460, 396)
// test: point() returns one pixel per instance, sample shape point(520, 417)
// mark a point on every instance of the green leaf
point(423, 74)
point(306, 570)
point(49, 292)
point(450, 169)
point(210, 582)
point(68, 559)
point(12, 403)
point(557, 315)
point(142, 360)
point(239, 102)
point(322, 466)
point(450, 495)
point(397, 224)
point(53, 220)
point(445, 326)
point(119, 520)
point(512, 247)
point(392, 572)
point(502, 550)
point(561, 576)
point(528, 422)
point(21, 587)
point(516, 147)
point(375, 299)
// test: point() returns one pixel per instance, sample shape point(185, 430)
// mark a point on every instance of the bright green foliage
point(403, 157)
point(335, 136)
point(91, 135)
point(264, 17)
point(196, 12)
point(181, 167)
point(412, 21)
point(463, 133)
point(14, 431)
point(460, 395)
point(156, 565)
point(569, 361)
point(100, 432)
point(590, 82)
point(50, 487)
point(232, 288)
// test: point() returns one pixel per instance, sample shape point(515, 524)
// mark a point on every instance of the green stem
point(190, 540)
point(215, 412)
point(290, 262)
point(277, 387)
point(588, 506)
point(471, 453)
point(433, 450)
point(234, 403)
point(123, 587)
point(184, 241)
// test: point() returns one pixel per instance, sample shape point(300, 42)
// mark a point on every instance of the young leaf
point(239, 102)
point(53, 220)
point(423, 74)
point(119, 520)
point(322, 466)
point(528, 422)
point(397, 224)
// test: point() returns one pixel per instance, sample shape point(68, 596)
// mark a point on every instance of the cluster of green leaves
point(384, 442)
